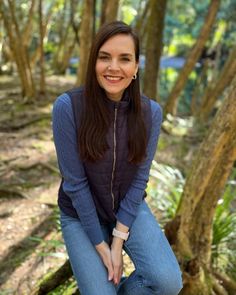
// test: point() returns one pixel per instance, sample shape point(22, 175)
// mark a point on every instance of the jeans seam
point(136, 264)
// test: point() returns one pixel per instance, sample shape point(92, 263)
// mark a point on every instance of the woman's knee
point(166, 283)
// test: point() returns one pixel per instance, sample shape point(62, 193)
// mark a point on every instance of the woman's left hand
point(117, 259)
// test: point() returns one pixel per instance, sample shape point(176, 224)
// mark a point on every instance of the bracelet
point(120, 234)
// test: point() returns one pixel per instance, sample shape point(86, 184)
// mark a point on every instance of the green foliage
point(68, 288)
point(51, 247)
point(128, 13)
point(180, 17)
point(183, 22)
point(165, 189)
point(224, 232)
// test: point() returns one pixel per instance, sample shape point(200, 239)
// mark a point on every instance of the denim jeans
point(156, 268)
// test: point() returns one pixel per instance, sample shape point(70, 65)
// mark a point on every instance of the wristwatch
point(120, 234)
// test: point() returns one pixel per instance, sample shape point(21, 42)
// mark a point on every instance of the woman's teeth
point(113, 78)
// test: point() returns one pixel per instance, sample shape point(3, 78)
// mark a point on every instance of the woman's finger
point(110, 270)
point(119, 274)
point(116, 274)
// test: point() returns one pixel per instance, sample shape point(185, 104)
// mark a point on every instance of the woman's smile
point(113, 79)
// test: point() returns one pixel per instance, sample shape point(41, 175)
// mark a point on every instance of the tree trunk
point(154, 46)
point(42, 89)
point(22, 54)
point(85, 35)
point(62, 58)
point(227, 282)
point(190, 231)
point(19, 50)
point(73, 20)
point(198, 88)
point(171, 105)
point(109, 11)
point(142, 19)
point(66, 41)
point(216, 87)
point(27, 30)
point(35, 57)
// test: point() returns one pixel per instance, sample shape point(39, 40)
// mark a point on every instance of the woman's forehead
point(122, 43)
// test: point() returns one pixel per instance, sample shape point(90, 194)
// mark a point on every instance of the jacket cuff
point(125, 218)
point(95, 234)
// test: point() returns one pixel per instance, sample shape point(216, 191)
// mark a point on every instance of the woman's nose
point(114, 65)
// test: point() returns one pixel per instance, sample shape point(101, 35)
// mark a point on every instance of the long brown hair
point(95, 118)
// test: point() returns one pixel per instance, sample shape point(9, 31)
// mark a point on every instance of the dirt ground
point(29, 243)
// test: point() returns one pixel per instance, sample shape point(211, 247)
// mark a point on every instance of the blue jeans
point(156, 268)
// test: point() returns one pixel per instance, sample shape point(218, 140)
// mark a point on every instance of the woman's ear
point(136, 69)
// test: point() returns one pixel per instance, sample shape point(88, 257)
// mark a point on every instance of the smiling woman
point(106, 135)
point(116, 65)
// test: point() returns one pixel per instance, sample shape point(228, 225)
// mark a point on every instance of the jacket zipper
point(114, 158)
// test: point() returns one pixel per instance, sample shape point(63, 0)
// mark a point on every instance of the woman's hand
point(105, 253)
point(117, 259)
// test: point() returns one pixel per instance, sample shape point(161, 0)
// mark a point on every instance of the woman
point(105, 135)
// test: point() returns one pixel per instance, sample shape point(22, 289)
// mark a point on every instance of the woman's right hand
point(105, 253)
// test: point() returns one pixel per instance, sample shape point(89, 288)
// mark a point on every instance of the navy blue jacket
point(109, 178)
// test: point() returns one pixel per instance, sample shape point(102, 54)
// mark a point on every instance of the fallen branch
point(54, 280)
point(25, 124)
point(5, 214)
point(226, 282)
point(44, 165)
point(218, 288)
point(12, 193)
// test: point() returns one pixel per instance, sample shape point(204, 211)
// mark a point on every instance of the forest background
point(188, 65)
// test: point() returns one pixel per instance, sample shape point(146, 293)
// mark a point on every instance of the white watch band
point(120, 234)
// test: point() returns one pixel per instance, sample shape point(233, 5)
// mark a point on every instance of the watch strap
point(120, 234)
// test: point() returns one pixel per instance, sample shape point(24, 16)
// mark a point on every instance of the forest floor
point(30, 242)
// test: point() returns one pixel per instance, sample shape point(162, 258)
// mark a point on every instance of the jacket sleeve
point(129, 205)
point(75, 183)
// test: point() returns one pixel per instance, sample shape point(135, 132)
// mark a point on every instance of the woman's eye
point(125, 59)
point(103, 57)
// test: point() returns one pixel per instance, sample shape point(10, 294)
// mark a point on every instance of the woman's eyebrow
point(127, 54)
point(104, 52)
point(122, 54)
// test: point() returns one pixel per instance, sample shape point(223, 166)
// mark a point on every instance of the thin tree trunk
point(216, 87)
point(36, 54)
point(23, 54)
point(74, 24)
point(41, 34)
point(109, 11)
point(85, 35)
point(227, 283)
point(67, 55)
point(94, 17)
point(27, 31)
point(171, 105)
point(142, 19)
point(20, 52)
point(190, 231)
point(198, 88)
point(64, 41)
point(154, 46)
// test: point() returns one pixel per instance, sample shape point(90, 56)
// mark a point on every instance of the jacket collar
point(122, 104)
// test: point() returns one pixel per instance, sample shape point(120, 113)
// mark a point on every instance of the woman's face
point(116, 65)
